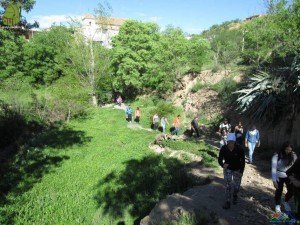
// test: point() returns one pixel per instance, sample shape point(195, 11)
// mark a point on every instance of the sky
point(193, 16)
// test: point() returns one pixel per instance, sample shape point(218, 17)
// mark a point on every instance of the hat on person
point(231, 137)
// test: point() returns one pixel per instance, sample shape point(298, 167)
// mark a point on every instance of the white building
point(101, 29)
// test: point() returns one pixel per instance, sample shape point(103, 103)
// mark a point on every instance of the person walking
point(252, 140)
point(155, 121)
point(232, 160)
point(137, 115)
point(293, 174)
point(128, 113)
point(224, 126)
point(239, 131)
point(176, 124)
point(281, 162)
point(163, 123)
point(119, 100)
point(195, 126)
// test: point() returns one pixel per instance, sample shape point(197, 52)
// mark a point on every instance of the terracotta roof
point(88, 16)
point(111, 21)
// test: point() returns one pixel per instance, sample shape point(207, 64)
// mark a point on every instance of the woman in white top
point(281, 162)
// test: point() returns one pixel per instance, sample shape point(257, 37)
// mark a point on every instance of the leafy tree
point(45, 55)
point(132, 56)
point(11, 57)
point(273, 94)
point(27, 5)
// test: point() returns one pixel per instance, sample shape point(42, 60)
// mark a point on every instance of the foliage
point(225, 88)
point(272, 93)
point(226, 42)
point(126, 175)
point(145, 60)
point(132, 53)
point(27, 5)
point(201, 148)
point(198, 86)
point(45, 55)
point(11, 57)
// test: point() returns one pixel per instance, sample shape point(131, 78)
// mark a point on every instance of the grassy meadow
point(92, 171)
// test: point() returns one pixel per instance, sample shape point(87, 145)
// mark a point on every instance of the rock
point(170, 209)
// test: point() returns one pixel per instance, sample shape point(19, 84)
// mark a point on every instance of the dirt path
point(255, 197)
point(254, 205)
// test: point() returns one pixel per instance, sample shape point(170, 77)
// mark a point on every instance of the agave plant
point(272, 95)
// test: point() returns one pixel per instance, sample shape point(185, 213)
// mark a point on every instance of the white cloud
point(48, 21)
point(155, 18)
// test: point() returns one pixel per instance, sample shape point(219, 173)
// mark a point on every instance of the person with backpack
point(252, 140)
point(293, 174)
point(128, 113)
point(281, 162)
point(232, 160)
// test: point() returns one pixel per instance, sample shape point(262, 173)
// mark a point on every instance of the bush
point(225, 88)
point(198, 86)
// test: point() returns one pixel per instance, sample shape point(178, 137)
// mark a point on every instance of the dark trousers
point(155, 126)
point(279, 190)
point(196, 130)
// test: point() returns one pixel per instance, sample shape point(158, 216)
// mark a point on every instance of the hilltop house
point(101, 29)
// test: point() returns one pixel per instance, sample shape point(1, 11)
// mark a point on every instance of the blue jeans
point(176, 131)
point(251, 147)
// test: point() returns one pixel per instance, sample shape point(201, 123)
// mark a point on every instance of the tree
point(132, 56)
point(45, 55)
point(11, 57)
point(27, 5)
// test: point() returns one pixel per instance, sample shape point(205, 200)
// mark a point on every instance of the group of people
point(156, 121)
point(285, 166)
point(251, 138)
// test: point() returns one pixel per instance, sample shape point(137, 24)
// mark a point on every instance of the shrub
point(198, 86)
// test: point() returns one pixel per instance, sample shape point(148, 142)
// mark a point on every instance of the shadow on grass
point(140, 186)
point(24, 161)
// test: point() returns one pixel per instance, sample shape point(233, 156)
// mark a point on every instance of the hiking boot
point(234, 200)
point(226, 205)
point(287, 207)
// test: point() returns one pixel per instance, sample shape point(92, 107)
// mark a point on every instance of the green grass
point(196, 147)
point(93, 171)
point(198, 86)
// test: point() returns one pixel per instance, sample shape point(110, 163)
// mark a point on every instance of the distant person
point(128, 113)
point(281, 162)
point(239, 131)
point(224, 126)
point(223, 140)
point(232, 160)
point(176, 124)
point(119, 100)
point(252, 140)
point(163, 123)
point(155, 121)
point(293, 174)
point(195, 126)
point(137, 115)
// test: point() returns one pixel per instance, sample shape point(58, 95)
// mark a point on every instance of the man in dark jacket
point(195, 126)
point(232, 160)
